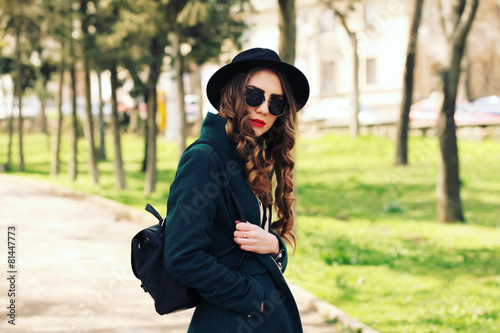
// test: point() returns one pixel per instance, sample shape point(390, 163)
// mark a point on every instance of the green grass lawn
point(368, 240)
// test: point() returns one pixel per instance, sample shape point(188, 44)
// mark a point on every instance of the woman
point(257, 96)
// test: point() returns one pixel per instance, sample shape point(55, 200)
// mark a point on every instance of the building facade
point(324, 51)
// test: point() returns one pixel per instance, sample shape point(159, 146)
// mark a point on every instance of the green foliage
point(28, 76)
point(47, 69)
point(6, 65)
point(368, 240)
point(209, 26)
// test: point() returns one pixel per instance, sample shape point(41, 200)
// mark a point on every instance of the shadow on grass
point(416, 256)
point(353, 199)
point(372, 202)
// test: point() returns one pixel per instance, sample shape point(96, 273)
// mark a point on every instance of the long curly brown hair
point(266, 155)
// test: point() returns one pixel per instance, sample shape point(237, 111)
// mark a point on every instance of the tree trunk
point(118, 161)
point(401, 157)
point(6, 166)
point(354, 127)
point(54, 165)
point(449, 205)
point(355, 86)
point(19, 91)
point(154, 70)
point(102, 142)
point(287, 48)
point(288, 30)
point(468, 75)
point(198, 92)
point(180, 92)
point(9, 145)
point(73, 162)
point(150, 181)
point(145, 159)
point(89, 125)
point(43, 117)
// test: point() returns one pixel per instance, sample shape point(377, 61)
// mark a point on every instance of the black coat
point(200, 222)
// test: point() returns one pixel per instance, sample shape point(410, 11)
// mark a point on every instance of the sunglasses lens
point(254, 97)
point(277, 107)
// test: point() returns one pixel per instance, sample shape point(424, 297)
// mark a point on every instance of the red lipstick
point(258, 122)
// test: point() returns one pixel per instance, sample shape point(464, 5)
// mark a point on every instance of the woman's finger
point(246, 226)
point(243, 234)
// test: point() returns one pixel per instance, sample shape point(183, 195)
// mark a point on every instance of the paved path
point(73, 266)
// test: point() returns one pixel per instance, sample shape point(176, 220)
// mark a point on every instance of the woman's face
point(269, 83)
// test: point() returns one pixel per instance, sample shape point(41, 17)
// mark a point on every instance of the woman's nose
point(264, 107)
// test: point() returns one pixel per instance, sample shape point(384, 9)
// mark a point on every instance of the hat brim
point(296, 79)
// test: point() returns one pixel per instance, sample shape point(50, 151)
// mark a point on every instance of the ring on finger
point(244, 235)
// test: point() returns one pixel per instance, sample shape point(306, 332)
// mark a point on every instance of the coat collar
point(214, 130)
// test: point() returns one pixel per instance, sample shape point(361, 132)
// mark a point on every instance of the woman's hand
point(253, 238)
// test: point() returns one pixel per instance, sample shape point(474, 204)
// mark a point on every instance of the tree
point(118, 160)
point(88, 42)
point(24, 76)
point(54, 165)
point(102, 126)
point(178, 70)
point(46, 71)
point(73, 161)
point(207, 27)
point(288, 30)
point(449, 205)
point(109, 53)
point(341, 10)
point(6, 67)
point(401, 157)
point(61, 19)
point(157, 48)
point(148, 26)
point(23, 25)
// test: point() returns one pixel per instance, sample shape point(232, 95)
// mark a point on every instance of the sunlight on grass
point(402, 277)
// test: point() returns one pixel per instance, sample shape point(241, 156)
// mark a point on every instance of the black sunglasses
point(254, 97)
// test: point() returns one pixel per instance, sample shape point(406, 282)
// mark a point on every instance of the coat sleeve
point(282, 260)
point(191, 210)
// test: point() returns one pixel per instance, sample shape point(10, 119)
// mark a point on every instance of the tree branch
point(343, 21)
point(442, 20)
point(465, 22)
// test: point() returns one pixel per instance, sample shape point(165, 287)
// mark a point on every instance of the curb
point(331, 313)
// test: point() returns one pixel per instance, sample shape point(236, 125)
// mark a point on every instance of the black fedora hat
point(257, 57)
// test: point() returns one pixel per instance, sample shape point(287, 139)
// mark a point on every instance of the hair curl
point(266, 155)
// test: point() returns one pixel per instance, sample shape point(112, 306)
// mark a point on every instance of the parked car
point(425, 112)
point(339, 110)
point(487, 104)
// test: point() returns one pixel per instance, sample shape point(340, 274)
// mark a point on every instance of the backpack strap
point(153, 211)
